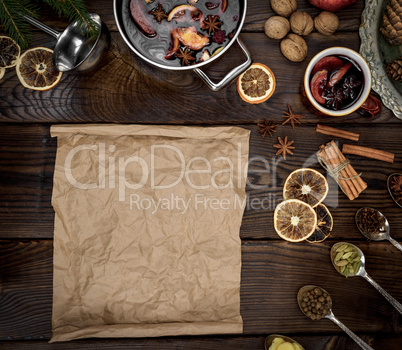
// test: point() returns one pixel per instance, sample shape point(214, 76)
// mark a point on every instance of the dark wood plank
point(272, 273)
point(258, 11)
point(323, 342)
point(128, 90)
point(27, 154)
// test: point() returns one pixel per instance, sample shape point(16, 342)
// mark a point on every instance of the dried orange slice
point(9, 52)
point(36, 71)
point(324, 226)
point(294, 220)
point(2, 72)
point(306, 184)
point(256, 84)
point(190, 38)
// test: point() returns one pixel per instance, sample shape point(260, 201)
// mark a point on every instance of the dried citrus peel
point(256, 84)
point(36, 71)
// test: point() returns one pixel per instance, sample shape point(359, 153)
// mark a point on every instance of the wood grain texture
point(323, 342)
point(272, 273)
point(126, 89)
point(27, 155)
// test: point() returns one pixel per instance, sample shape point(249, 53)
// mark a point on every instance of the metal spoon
point(382, 234)
point(389, 188)
point(363, 273)
point(74, 49)
point(331, 316)
point(270, 339)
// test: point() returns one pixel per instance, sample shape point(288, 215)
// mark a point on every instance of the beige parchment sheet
point(146, 236)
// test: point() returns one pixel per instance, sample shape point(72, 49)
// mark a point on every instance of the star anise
point(159, 13)
point(186, 56)
point(396, 184)
point(333, 97)
point(211, 23)
point(291, 117)
point(348, 85)
point(284, 146)
point(267, 127)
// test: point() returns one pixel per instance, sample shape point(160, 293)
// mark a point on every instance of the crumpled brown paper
point(146, 238)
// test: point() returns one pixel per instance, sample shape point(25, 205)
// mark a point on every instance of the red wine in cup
point(336, 82)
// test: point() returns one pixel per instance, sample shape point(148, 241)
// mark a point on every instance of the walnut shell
point(294, 48)
point(276, 27)
point(326, 23)
point(284, 7)
point(301, 23)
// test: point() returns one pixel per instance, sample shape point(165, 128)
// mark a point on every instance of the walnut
point(284, 7)
point(276, 27)
point(301, 23)
point(326, 23)
point(294, 48)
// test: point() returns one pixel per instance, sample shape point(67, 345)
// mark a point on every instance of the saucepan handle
point(233, 74)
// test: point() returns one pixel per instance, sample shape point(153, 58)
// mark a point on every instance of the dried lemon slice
point(9, 52)
point(2, 72)
point(305, 184)
point(294, 220)
point(324, 226)
point(256, 84)
point(36, 71)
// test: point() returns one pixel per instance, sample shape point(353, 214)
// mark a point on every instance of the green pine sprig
point(75, 10)
point(12, 21)
point(19, 30)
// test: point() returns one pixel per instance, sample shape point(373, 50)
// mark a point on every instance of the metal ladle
point(74, 48)
point(331, 316)
point(382, 234)
point(363, 273)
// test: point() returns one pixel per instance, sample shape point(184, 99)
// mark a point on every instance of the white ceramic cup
point(309, 100)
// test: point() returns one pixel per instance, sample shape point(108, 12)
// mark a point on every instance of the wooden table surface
point(128, 90)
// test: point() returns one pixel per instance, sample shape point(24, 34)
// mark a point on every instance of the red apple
point(331, 5)
point(328, 62)
point(139, 13)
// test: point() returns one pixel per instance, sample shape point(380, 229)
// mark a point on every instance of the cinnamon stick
point(347, 185)
point(328, 130)
point(357, 180)
point(368, 153)
point(349, 181)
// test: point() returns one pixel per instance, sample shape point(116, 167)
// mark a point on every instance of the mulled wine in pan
point(181, 32)
point(336, 82)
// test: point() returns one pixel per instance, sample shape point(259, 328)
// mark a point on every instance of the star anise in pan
point(211, 23)
point(186, 56)
point(159, 13)
point(291, 117)
point(284, 147)
point(267, 127)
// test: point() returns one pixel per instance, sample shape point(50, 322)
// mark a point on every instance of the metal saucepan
point(121, 8)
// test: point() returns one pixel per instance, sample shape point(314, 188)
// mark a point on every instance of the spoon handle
point(396, 304)
point(41, 26)
point(395, 243)
point(358, 340)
